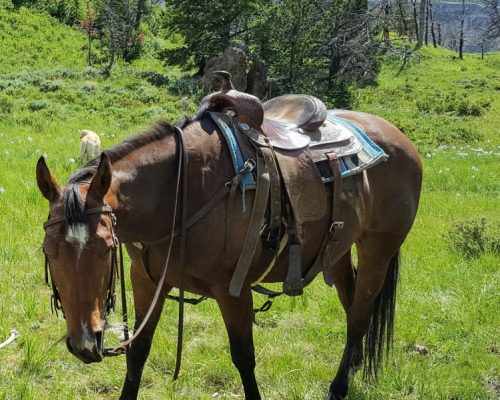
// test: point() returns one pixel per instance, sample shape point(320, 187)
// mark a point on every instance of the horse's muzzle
point(89, 349)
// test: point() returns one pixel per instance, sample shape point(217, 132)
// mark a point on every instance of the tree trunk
point(141, 10)
point(415, 18)
point(403, 20)
point(89, 52)
point(421, 24)
point(385, 7)
point(427, 23)
point(433, 33)
point(440, 36)
point(461, 40)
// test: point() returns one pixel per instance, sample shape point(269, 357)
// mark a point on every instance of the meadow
point(447, 333)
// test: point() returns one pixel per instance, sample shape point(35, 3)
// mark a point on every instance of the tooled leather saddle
point(295, 138)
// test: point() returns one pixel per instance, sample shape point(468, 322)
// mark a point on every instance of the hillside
point(449, 293)
point(46, 89)
point(438, 99)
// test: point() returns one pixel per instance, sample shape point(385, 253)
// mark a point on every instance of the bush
point(50, 86)
point(473, 237)
point(38, 105)
point(466, 108)
point(6, 104)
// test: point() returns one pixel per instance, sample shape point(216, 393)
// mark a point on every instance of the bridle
point(117, 268)
point(56, 303)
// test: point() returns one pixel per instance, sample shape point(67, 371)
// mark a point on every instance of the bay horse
point(129, 192)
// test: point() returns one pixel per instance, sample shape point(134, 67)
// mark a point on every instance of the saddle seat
point(294, 122)
point(287, 117)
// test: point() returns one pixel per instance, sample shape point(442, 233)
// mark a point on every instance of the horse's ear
point(102, 179)
point(46, 182)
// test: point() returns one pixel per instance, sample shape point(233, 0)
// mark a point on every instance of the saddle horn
point(246, 107)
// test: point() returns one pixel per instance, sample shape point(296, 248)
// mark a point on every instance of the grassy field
point(449, 296)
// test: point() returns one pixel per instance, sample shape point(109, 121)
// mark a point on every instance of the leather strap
point(95, 210)
point(121, 349)
point(182, 256)
point(335, 223)
point(248, 167)
point(253, 231)
point(275, 188)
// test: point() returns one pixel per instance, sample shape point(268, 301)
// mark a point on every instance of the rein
point(117, 268)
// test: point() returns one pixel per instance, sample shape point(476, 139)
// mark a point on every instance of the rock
point(234, 61)
point(421, 349)
point(257, 79)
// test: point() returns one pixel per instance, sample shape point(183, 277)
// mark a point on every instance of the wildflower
point(30, 139)
point(463, 153)
point(475, 168)
point(428, 155)
point(71, 160)
point(2, 189)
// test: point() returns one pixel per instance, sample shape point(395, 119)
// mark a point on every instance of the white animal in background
point(90, 146)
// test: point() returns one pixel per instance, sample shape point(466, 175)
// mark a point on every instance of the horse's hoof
point(338, 391)
point(333, 396)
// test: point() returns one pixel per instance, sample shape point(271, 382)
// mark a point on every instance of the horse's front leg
point(238, 318)
point(138, 352)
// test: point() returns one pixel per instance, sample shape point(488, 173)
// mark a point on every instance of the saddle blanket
point(360, 154)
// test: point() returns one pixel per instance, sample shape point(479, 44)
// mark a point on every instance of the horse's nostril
point(99, 341)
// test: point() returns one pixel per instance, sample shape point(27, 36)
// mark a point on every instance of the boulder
point(233, 60)
point(257, 79)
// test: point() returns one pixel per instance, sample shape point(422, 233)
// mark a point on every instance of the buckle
point(337, 225)
point(248, 167)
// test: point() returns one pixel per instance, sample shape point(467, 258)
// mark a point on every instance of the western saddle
point(290, 133)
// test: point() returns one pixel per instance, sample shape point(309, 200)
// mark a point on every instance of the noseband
point(55, 301)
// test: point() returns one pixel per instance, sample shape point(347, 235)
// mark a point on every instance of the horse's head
point(80, 249)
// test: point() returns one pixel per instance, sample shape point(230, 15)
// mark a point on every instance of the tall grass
point(448, 304)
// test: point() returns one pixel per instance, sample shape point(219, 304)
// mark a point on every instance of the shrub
point(38, 105)
point(475, 236)
point(50, 86)
point(90, 86)
point(6, 104)
point(466, 108)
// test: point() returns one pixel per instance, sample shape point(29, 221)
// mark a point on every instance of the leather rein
point(117, 268)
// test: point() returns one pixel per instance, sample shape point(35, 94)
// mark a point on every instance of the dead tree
point(461, 34)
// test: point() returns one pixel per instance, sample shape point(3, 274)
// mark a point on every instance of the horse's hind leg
point(372, 310)
point(238, 318)
point(343, 276)
point(138, 352)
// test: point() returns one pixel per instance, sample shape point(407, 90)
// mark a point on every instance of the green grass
point(439, 99)
point(446, 303)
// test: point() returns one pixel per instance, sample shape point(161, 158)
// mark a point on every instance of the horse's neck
point(140, 195)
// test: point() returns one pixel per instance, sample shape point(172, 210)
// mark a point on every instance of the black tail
point(378, 339)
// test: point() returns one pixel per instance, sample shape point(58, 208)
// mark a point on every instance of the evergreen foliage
point(318, 47)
